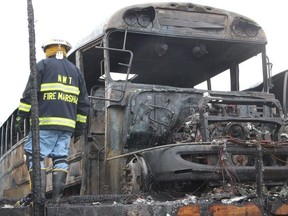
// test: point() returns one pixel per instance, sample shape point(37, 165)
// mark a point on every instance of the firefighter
point(63, 109)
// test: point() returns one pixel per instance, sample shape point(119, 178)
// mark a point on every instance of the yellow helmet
point(59, 42)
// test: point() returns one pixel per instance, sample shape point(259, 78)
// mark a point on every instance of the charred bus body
point(149, 124)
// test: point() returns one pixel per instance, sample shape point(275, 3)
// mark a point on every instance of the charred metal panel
point(201, 22)
point(16, 211)
point(153, 116)
point(112, 210)
point(114, 146)
point(93, 161)
point(97, 121)
point(14, 172)
point(17, 192)
point(211, 126)
point(214, 162)
point(161, 117)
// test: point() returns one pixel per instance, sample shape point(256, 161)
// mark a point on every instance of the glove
point(18, 123)
point(78, 132)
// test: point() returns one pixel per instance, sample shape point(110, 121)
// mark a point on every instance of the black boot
point(58, 183)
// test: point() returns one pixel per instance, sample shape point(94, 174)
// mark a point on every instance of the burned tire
point(134, 175)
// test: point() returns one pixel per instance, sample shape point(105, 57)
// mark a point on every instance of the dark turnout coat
point(62, 95)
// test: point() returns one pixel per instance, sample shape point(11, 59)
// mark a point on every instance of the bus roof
point(185, 19)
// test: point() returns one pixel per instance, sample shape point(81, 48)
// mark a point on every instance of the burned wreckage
point(156, 123)
point(215, 139)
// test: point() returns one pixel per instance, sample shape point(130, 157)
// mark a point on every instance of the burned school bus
point(153, 129)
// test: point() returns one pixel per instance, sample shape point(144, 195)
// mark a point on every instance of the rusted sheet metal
point(220, 210)
point(223, 210)
point(189, 210)
point(248, 209)
point(277, 208)
point(159, 209)
point(282, 210)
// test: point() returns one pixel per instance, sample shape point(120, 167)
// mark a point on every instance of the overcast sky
point(73, 20)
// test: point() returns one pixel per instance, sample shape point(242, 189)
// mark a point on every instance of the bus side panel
point(15, 177)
